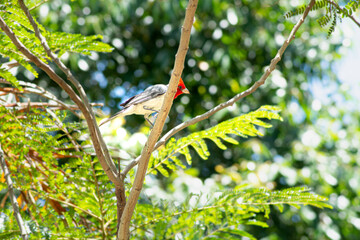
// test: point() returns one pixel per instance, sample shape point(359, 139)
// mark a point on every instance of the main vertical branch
point(234, 99)
point(123, 231)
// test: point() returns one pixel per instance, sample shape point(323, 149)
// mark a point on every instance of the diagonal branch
point(236, 98)
point(66, 87)
point(21, 224)
point(123, 231)
point(98, 141)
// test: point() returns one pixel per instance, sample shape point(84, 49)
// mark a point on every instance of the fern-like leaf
point(333, 24)
point(9, 77)
point(242, 126)
point(59, 42)
point(301, 9)
point(225, 215)
point(333, 12)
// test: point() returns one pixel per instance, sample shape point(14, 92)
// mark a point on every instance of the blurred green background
point(231, 44)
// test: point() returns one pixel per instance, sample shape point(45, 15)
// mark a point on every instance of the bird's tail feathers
point(118, 114)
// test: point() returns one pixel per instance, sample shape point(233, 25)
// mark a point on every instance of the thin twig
point(37, 5)
point(21, 224)
point(54, 106)
point(35, 89)
point(61, 126)
point(236, 98)
point(74, 206)
point(10, 65)
point(123, 231)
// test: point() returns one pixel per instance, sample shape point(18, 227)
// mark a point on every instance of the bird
point(147, 102)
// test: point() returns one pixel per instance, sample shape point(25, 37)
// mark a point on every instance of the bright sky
point(348, 68)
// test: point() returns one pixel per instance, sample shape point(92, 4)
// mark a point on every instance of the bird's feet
point(147, 116)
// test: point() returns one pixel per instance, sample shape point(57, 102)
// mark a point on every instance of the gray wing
point(147, 94)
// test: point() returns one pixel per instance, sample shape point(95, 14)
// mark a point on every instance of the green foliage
point(233, 64)
point(243, 126)
point(351, 7)
point(221, 217)
point(76, 43)
point(301, 9)
point(9, 234)
point(50, 171)
point(59, 42)
point(9, 77)
point(333, 12)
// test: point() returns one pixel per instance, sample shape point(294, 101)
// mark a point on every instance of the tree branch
point(236, 98)
point(23, 230)
point(35, 89)
point(98, 141)
point(50, 72)
point(24, 105)
point(123, 232)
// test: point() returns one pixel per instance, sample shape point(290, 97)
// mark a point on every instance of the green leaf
point(243, 126)
point(220, 217)
point(10, 78)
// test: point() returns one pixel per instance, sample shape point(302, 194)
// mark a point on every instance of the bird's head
point(181, 89)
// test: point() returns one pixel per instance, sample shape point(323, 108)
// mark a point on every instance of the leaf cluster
point(65, 194)
point(244, 126)
point(221, 217)
point(62, 192)
point(333, 12)
point(59, 42)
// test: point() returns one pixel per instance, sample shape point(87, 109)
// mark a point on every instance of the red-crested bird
point(147, 102)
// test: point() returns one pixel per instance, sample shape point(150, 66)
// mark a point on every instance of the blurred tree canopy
point(232, 41)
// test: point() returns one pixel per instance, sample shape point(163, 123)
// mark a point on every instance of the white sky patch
point(66, 8)
point(139, 11)
point(251, 166)
point(231, 16)
point(94, 56)
point(316, 105)
point(213, 89)
point(224, 23)
point(83, 65)
point(280, 92)
point(279, 39)
point(312, 53)
point(86, 10)
point(217, 34)
point(204, 66)
point(278, 79)
point(148, 20)
point(44, 10)
point(332, 234)
point(118, 43)
point(167, 28)
point(356, 222)
point(65, 56)
point(310, 138)
point(330, 179)
point(191, 62)
point(347, 67)
point(342, 202)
